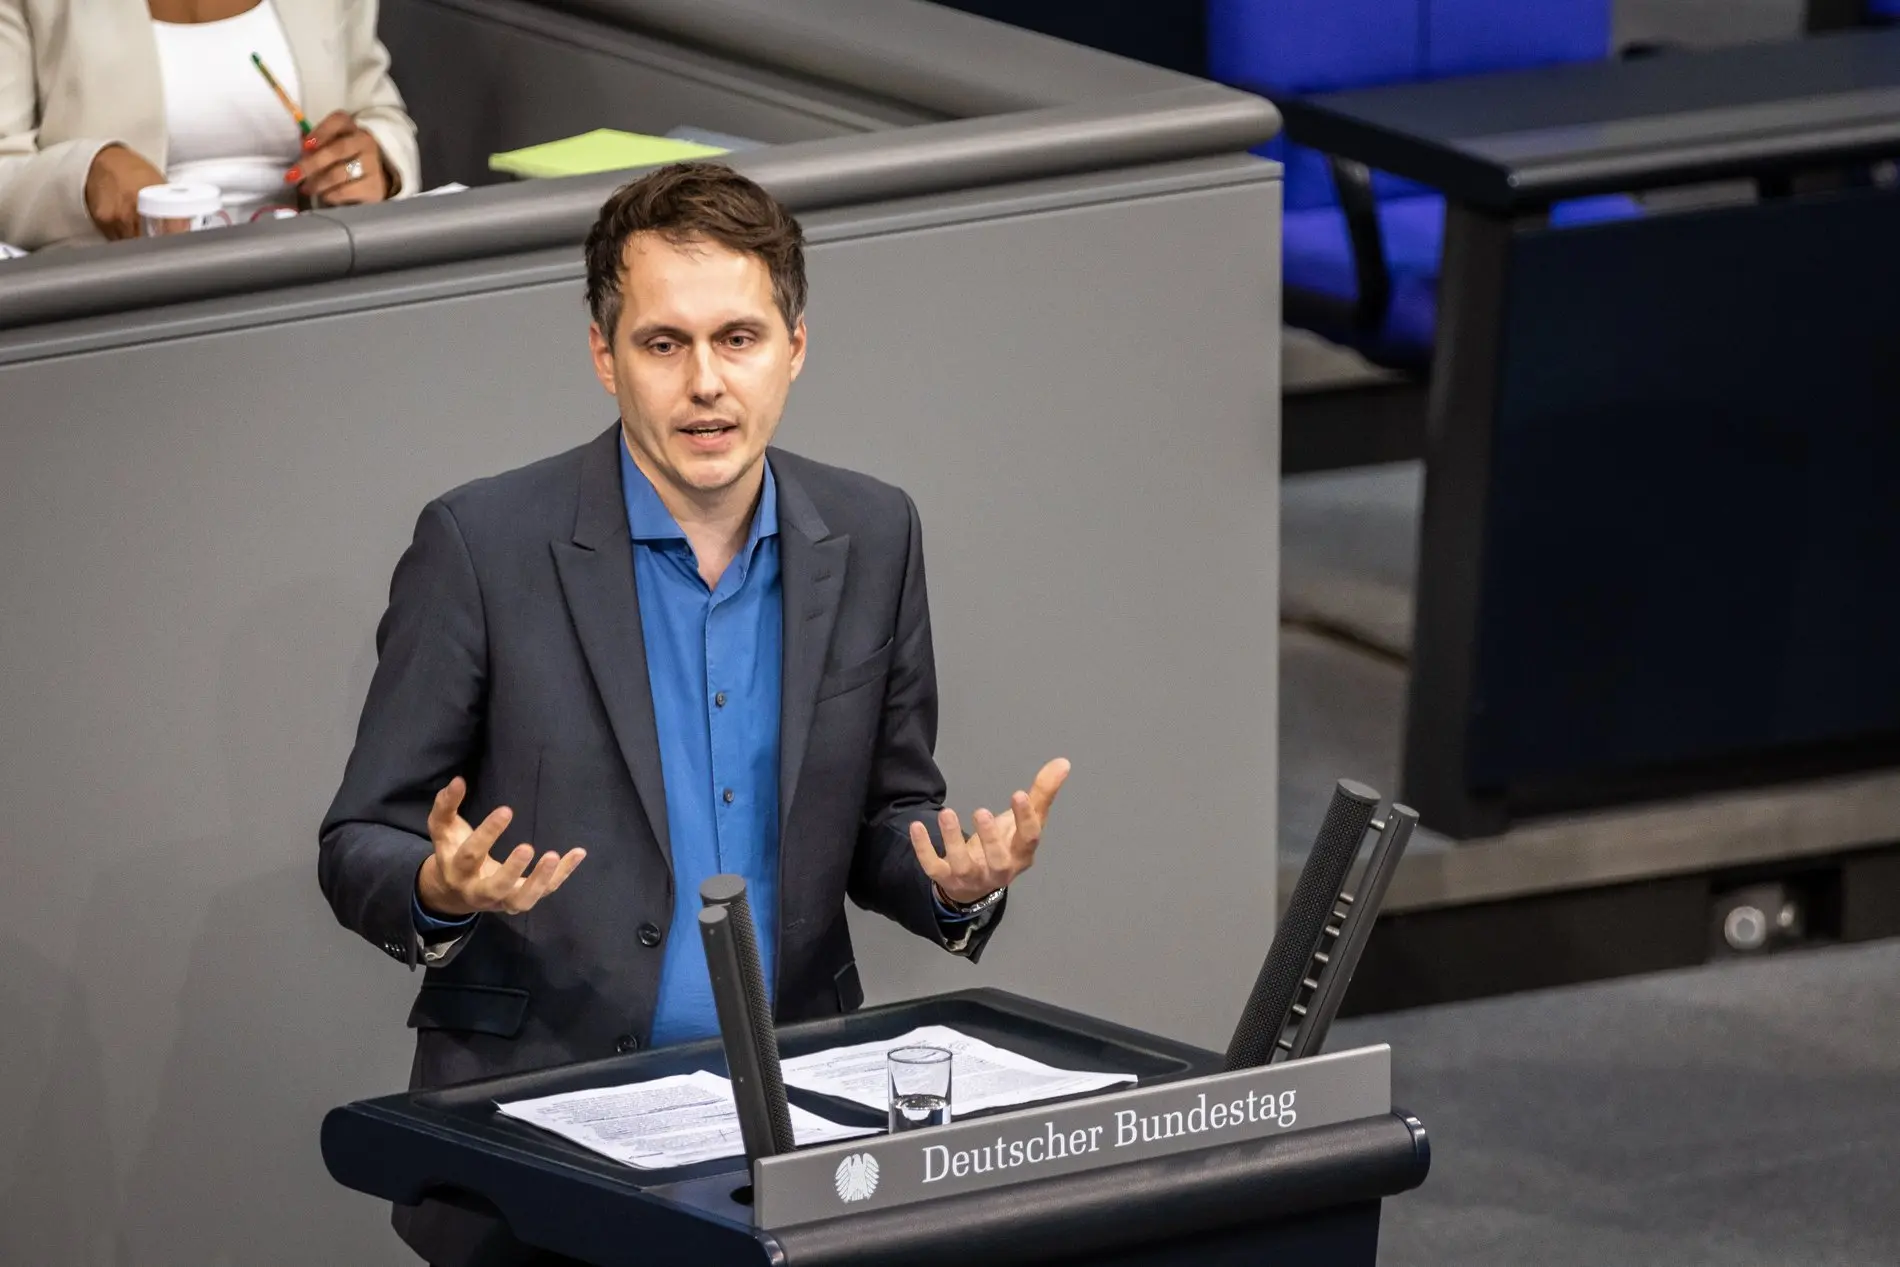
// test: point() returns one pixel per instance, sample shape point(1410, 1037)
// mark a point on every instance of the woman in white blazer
point(99, 98)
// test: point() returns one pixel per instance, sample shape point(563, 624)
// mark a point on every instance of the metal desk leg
point(1459, 425)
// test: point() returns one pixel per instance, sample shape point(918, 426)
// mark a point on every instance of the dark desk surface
point(1521, 140)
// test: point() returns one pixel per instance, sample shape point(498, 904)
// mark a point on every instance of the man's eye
point(740, 340)
point(661, 347)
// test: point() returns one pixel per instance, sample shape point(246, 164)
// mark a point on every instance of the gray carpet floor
point(1347, 543)
point(1349, 553)
point(1744, 1114)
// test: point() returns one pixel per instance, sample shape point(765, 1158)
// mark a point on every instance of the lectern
point(1207, 1159)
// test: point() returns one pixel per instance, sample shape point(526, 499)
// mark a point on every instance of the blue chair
point(1362, 248)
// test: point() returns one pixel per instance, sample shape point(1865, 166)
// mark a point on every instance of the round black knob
point(626, 1043)
point(649, 935)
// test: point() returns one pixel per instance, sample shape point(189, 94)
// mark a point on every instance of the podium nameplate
point(888, 1171)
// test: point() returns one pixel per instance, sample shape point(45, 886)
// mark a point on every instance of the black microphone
point(1303, 925)
point(745, 1014)
point(1333, 969)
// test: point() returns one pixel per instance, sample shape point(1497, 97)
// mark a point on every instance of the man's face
point(701, 363)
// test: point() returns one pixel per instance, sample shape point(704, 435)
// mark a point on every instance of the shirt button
point(720, 699)
point(727, 796)
point(649, 935)
point(626, 1043)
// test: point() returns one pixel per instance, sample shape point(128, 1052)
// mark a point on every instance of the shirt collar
point(648, 519)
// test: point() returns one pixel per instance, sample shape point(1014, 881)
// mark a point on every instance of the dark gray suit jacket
point(511, 654)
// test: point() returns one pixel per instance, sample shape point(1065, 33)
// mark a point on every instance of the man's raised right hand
point(460, 878)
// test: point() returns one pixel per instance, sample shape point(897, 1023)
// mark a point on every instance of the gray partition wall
point(1074, 375)
point(1173, 124)
point(775, 71)
point(463, 66)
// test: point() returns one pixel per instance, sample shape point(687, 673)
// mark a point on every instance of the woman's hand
point(112, 190)
point(343, 165)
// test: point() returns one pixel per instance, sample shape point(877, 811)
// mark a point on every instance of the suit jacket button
point(626, 1043)
point(649, 935)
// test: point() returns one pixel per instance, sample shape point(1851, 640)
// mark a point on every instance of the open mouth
point(707, 429)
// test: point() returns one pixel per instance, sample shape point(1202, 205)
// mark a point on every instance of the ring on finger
point(354, 169)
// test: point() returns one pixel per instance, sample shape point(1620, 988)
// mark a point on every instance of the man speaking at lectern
point(670, 653)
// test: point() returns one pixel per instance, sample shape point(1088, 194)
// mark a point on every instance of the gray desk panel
point(924, 54)
point(1180, 123)
point(847, 76)
point(563, 264)
point(53, 285)
point(845, 171)
point(463, 66)
point(1177, 123)
point(201, 530)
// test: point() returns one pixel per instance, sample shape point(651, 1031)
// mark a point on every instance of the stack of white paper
point(982, 1075)
point(672, 1121)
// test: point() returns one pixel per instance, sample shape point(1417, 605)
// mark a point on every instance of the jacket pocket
point(852, 676)
point(479, 1009)
point(850, 989)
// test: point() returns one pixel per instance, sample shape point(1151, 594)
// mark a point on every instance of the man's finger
point(572, 859)
point(920, 843)
point(1028, 834)
point(1028, 823)
point(447, 802)
point(989, 835)
point(1049, 781)
point(535, 886)
point(479, 842)
point(964, 860)
point(498, 885)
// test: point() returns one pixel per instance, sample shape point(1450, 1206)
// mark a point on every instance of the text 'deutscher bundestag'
point(1064, 1139)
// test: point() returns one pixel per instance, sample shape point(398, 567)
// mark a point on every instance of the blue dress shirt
point(715, 666)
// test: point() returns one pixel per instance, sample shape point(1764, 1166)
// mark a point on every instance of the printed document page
point(982, 1075)
point(672, 1121)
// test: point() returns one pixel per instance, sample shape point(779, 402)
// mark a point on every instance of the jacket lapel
point(811, 571)
point(596, 572)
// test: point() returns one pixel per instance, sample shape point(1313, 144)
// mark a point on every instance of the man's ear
point(602, 352)
point(798, 347)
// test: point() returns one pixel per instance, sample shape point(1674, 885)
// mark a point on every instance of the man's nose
point(707, 385)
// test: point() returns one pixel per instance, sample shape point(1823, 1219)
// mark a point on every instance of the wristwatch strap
point(977, 907)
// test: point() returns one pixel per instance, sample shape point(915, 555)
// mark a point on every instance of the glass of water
point(920, 1087)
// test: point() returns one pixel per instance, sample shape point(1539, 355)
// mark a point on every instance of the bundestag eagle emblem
point(857, 1177)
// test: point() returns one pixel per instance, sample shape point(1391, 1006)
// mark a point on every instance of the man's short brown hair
point(686, 202)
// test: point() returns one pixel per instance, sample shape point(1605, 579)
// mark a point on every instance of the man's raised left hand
point(1003, 847)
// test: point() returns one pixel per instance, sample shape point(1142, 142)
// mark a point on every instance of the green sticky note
point(602, 150)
